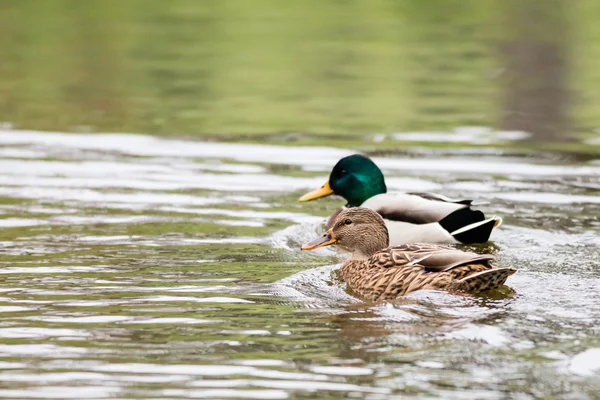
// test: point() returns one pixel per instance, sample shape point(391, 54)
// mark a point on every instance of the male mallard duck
point(410, 217)
point(378, 272)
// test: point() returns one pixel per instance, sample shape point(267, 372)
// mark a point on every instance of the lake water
point(165, 263)
point(142, 267)
point(232, 69)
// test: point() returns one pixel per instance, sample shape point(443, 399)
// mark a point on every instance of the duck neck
point(371, 241)
point(365, 244)
point(375, 242)
point(359, 255)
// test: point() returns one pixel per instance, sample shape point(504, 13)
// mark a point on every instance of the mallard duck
point(410, 217)
point(378, 272)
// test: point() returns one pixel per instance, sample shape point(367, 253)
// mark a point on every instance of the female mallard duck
point(378, 272)
point(410, 217)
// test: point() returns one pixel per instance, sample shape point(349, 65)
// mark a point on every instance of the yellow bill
point(325, 240)
point(323, 191)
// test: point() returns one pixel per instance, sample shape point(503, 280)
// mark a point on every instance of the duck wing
point(403, 269)
point(414, 208)
point(432, 258)
point(440, 197)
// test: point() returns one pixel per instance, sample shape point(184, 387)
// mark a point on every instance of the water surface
point(134, 266)
point(338, 69)
point(141, 267)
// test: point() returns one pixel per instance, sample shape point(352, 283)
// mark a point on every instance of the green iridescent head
point(356, 178)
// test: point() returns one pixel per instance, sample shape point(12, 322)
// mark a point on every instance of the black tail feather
point(464, 217)
point(461, 218)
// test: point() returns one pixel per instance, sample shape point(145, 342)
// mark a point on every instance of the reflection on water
point(338, 68)
point(138, 267)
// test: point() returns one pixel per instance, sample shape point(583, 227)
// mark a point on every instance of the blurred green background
point(235, 69)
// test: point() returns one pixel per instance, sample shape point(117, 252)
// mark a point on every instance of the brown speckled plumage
point(397, 271)
point(377, 272)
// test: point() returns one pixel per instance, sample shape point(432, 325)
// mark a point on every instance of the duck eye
point(348, 221)
point(343, 172)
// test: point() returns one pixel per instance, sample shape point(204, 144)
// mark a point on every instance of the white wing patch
point(411, 208)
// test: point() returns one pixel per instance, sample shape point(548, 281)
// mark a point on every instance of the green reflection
point(217, 67)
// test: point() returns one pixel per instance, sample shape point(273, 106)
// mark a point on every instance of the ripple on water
point(586, 363)
point(38, 333)
point(135, 266)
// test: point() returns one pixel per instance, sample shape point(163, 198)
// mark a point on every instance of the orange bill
point(325, 240)
point(323, 191)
